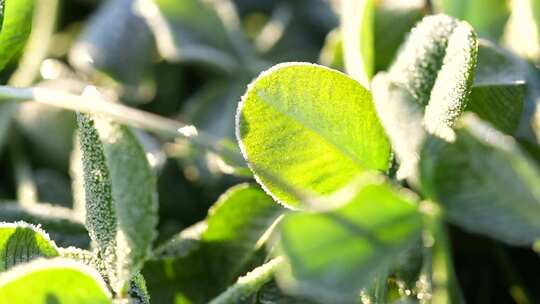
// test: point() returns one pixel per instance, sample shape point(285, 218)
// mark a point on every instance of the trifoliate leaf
point(120, 190)
point(485, 182)
point(21, 242)
point(309, 127)
point(58, 281)
point(333, 254)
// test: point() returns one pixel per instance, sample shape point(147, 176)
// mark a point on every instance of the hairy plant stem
point(95, 104)
point(249, 284)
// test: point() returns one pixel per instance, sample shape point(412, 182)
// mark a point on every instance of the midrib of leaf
point(313, 130)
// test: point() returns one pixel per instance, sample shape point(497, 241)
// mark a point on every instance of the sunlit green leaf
point(137, 291)
point(57, 281)
point(488, 17)
point(312, 127)
point(522, 33)
point(485, 182)
point(16, 27)
point(16, 23)
point(21, 242)
point(358, 35)
point(333, 254)
point(332, 51)
point(120, 191)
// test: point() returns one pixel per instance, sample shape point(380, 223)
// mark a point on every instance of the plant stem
point(516, 288)
point(438, 256)
point(95, 104)
point(44, 23)
point(26, 188)
point(249, 284)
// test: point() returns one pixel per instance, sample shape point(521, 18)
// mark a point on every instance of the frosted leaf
point(21, 242)
point(120, 190)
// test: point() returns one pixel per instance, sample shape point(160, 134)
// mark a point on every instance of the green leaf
point(120, 190)
point(357, 18)
point(270, 293)
point(401, 117)
point(522, 33)
point(16, 23)
point(501, 105)
point(249, 284)
point(310, 127)
point(21, 242)
point(427, 87)
point(199, 263)
point(333, 254)
point(332, 52)
point(192, 31)
point(115, 41)
point(498, 91)
point(436, 65)
point(393, 22)
point(66, 282)
point(488, 17)
point(16, 27)
point(137, 291)
point(59, 222)
point(485, 182)
point(237, 224)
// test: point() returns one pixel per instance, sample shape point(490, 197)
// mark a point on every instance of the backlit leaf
point(333, 254)
point(58, 281)
point(358, 36)
point(60, 223)
point(312, 127)
point(488, 17)
point(21, 242)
